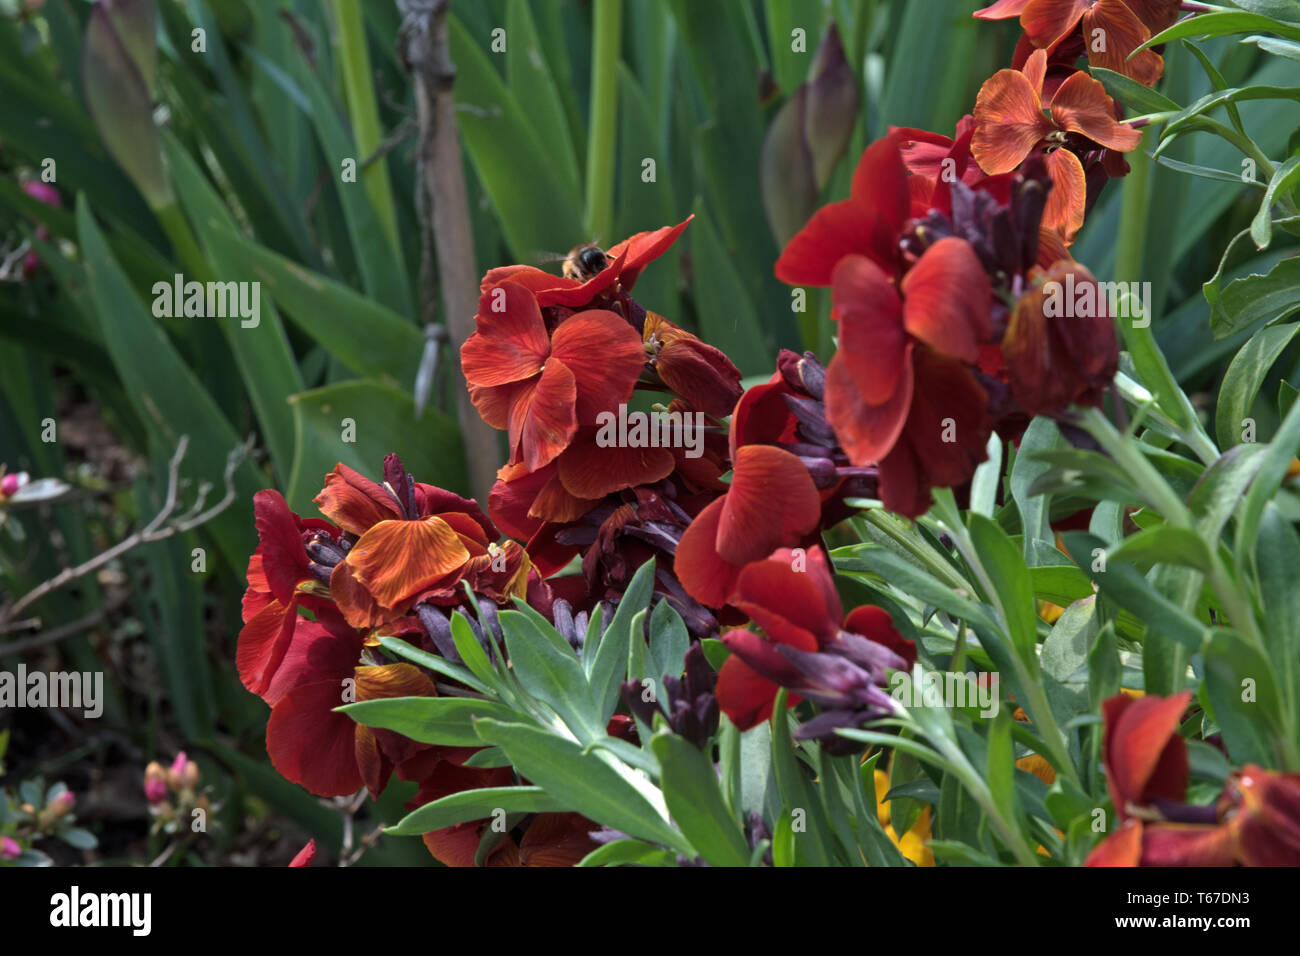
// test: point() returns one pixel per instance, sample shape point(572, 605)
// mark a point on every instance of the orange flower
point(1112, 29)
point(1010, 124)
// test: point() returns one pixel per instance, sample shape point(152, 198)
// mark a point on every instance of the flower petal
point(866, 432)
point(872, 340)
point(542, 417)
point(354, 502)
point(605, 355)
point(772, 503)
point(310, 744)
point(1047, 22)
point(643, 248)
point(946, 300)
point(395, 560)
point(1009, 122)
point(1082, 106)
point(1068, 197)
point(696, 563)
point(511, 343)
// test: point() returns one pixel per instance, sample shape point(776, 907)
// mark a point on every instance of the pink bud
point(178, 765)
point(9, 848)
point(64, 801)
point(155, 790)
point(43, 192)
point(9, 484)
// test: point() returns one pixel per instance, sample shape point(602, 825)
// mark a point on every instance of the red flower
point(539, 386)
point(699, 373)
point(1056, 354)
point(771, 503)
point(624, 262)
point(1256, 821)
point(796, 608)
point(1010, 125)
point(1112, 29)
point(305, 855)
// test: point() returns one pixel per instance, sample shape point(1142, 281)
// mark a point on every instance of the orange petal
point(1047, 22)
point(1009, 122)
point(395, 560)
point(1121, 848)
point(354, 502)
point(1122, 32)
point(1068, 196)
point(1145, 757)
point(1082, 106)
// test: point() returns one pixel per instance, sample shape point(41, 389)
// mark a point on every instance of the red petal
point(836, 230)
point(510, 345)
point(866, 432)
point(790, 606)
point(772, 503)
point(311, 745)
point(880, 182)
point(589, 471)
point(1124, 33)
point(1001, 10)
point(284, 562)
point(872, 340)
point(542, 418)
point(1048, 21)
point(1145, 757)
point(556, 839)
point(1173, 844)
point(509, 501)
point(946, 298)
point(703, 573)
point(305, 855)
point(1121, 848)
point(606, 357)
point(263, 642)
point(745, 696)
point(947, 394)
point(875, 624)
point(644, 248)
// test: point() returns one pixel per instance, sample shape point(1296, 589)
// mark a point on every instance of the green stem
point(606, 36)
point(359, 88)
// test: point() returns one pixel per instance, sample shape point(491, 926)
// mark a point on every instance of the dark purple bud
point(867, 653)
point(401, 485)
point(322, 549)
point(634, 697)
point(320, 572)
point(438, 627)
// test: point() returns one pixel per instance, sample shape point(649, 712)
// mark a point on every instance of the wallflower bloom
point(1112, 29)
point(1010, 125)
point(808, 646)
point(540, 386)
point(1056, 353)
point(1256, 821)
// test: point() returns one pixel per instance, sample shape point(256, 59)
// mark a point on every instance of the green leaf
point(911, 580)
point(1244, 378)
point(1035, 518)
point(1137, 99)
point(538, 210)
point(475, 658)
point(382, 422)
point(551, 675)
point(1285, 178)
point(1221, 24)
point(669, 641)
point(475, 805)
point(530, 80)
point(723, 300)
point(625, 852)
point(610, 660)
point(266, 363)
point(1220, 489)
point(1015, 589)
point(447, 721)
point(362, 334)
point(582, 781)
point(690, 787)
point(1272, 470)
point(1277, 556)
point(1244, 697)
point(435, 663)
point(1066, 648)
point(1104, 668)
point(162, 387)
point(1287, 48)
point(1162, 544)
point(1001, 773)
point(79, 838)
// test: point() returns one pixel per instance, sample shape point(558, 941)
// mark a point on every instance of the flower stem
point(603, 121)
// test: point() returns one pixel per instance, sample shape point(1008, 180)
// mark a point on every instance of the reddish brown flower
point(1060, 347)
point(1010, 124)
point(1112, 29)
point(699, 373)
point(791, 596)
point(541, 386)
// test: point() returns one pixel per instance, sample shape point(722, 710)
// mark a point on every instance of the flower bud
point(9, 849)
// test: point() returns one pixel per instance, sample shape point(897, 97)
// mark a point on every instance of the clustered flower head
point(173, 792)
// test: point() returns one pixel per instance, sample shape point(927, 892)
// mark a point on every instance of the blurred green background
point(228, 163)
